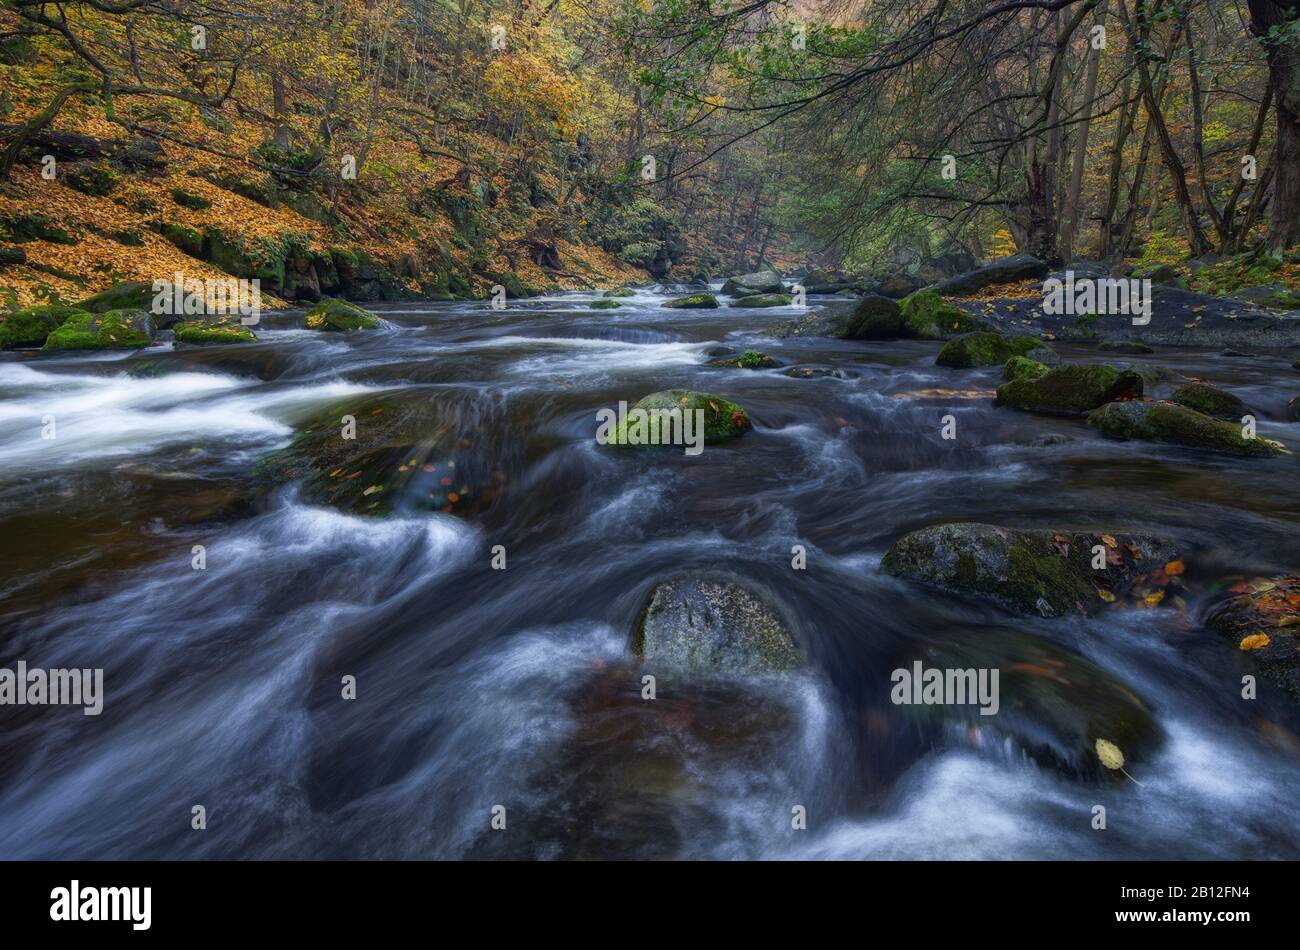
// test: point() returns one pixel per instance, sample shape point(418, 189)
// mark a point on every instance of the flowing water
point(479, 687)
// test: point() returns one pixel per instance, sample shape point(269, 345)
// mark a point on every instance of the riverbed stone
point(723, 420)
point(1178, 425)
point(1210, 400)
point(31, 326)
point(115, 329)
point(213, 331)
point(758, 282)
point(983, 348)
point(1022, 366)
point(929, 317)
point(763, 300)
point(1261, 616)
point(1032, 571)
point(693, 302)
point(1069, 390)
point(713, 625)
point(339, 316)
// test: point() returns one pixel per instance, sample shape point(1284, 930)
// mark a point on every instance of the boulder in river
point(115, 329)
point(983, 348)
point(31, 326)
point(1169, 422)
point(1022, 366)
point(1002, 271)
point(1033, 571)
point(711, 625)
point(620, 292)
point(723, 420)
point(750, 359)
point(929, 317)
point(339, 316)
point(693, 302)
point(1293, 410)
point(1262, 617)
point(1209, 400)
point(876, 317)
point(604, 304)
point(759, 282)
point(763, 300)
point(213, 331)
point(1069, 390)
point(128, 295)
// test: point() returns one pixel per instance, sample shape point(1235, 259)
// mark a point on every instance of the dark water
point(480, 687)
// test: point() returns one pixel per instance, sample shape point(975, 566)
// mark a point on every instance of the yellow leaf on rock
point(1256, 641)
point(1109, 754)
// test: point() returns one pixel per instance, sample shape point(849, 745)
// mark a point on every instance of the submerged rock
point(116, 329)
point(1053, 705)
point(1209, 400)
point(604, 304)
point(750, 359)
point(1178, 425)
point(1033, 571)
point(339, 316)
point(1262, 617)
point(620, 292)
point(723, 420)
point(983, 348)
point(711, 625)
point(1069, 390)
point(693, 302)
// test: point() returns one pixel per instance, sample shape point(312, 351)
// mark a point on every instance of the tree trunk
point(1070, 225)
point(1284, 66)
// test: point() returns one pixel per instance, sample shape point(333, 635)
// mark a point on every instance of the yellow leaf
point(1174, 568)
point(1153, 599)
point(1256, 641)
point(1109, 754)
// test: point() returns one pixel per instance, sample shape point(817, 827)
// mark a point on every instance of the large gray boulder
point(1005, 270)
point(759, 282)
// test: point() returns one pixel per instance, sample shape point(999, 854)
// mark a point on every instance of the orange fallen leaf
point(1256, 641)
point(1174, 568)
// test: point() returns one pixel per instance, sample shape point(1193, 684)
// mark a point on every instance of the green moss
point(187, 239)
point(339, 316)
point(929, 316)
point(763, 300)
point(620, 292)
point(1069, 389)
point(1179, 425)
point(129, 295)
point(189, 199)
point(983, 348)
point(723, 419)
point(30, 326)
point(34, 227)
point(693, 302)
point(1209, 400)
point(1034, 576)
point(219, 331)
point(116, 329)
point(97, 180)
point(604, 305)
point(1022, 367)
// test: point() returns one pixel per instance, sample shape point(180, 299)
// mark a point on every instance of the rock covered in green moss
point(128, 295)
point(31, 326)
point(604, 304)
point(723, 420)
point(759, 282)
point(1018, 367)
point(1209, 400)
point(1069, 390)
point(876, 317)
point(1049, 573)
point(750, 359)
point(763, 300)
point(213, 331)
point(116, 329)
point(710, 625)
point(930, 317)
point(1262, 619)
point(620, 292)
point(693, 302)
point(983, 348)
point(335, 315)
point(1178, 425)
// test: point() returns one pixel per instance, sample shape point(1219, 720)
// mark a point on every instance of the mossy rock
point(129, 295)
point(693, 302)
point(1018, 367)
point(186, 239)
point(1285, 300)
point(213, 331)
point(711, 625)
point(116, 329)
point(96, 180)
point(763, 300)
point(1172, 423)
point(189, 199)
point(1262, 620)
point(983, 348)
point(620, 292)
point(1209, 400)
point(31, 326)
point(604, 305)
point(750, 359)
point(928, 316)
point(759, 282)
point(876, 317)
point(723, 420)
point(1042, 572)
point(336, 315)
point(35, 227)
point(1069, 390)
